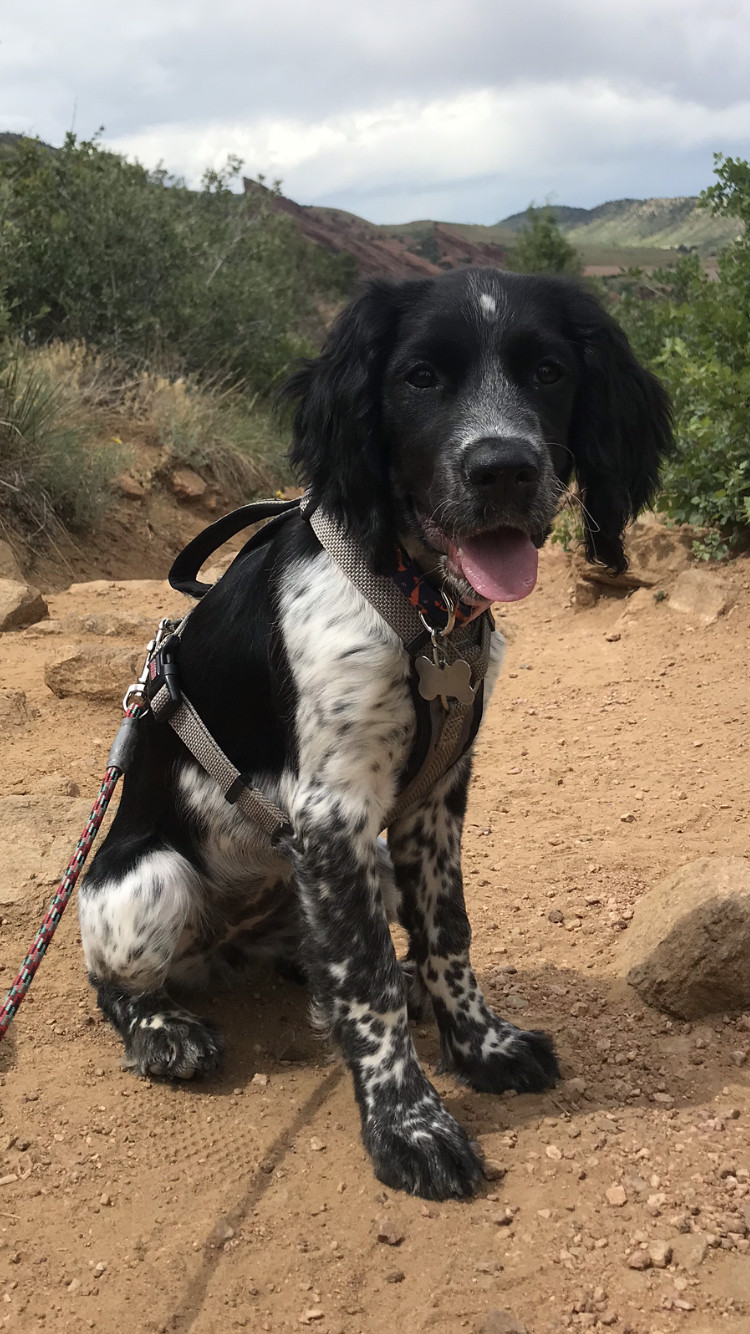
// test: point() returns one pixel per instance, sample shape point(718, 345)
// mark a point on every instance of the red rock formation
point(377, 255)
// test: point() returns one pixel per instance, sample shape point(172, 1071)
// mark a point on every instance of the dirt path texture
point(615, 750)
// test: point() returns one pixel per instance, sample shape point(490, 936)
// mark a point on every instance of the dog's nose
point(505, 468)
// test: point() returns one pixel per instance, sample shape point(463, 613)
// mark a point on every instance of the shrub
point(541, 246)
point(53, 473)
point(694, 331)
point(97, 249)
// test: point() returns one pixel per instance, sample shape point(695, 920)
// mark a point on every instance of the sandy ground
point(247, 1202)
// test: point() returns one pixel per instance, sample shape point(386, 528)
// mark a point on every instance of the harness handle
point(183, 575)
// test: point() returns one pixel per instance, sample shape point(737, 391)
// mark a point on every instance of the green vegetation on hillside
point(152, 279)
point(695, 333)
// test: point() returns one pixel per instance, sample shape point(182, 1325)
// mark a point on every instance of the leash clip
point(136, 691)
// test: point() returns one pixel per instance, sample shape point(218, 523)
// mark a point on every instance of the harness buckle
point(162, 671)
point(165, 632)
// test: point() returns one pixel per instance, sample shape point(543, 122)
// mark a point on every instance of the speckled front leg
point(359, 993)
point(485, 1051)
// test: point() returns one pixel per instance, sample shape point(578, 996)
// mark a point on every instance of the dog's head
point(451, 413)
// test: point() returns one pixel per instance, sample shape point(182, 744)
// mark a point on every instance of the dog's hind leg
point(485, 1051)
point(134, 919)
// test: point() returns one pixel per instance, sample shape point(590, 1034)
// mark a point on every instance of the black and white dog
point(448, 415)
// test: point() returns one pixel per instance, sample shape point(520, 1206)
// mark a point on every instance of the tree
point(541, 246)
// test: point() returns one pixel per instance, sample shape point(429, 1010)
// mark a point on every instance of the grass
point(62, 408)
point(54, 473)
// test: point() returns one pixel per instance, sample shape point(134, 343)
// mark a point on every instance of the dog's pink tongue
point(502, 566)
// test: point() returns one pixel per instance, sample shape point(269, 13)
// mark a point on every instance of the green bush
point(97, 249)
point(541, 246)
point(693, 329)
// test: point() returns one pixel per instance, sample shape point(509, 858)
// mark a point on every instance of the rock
point(20, 605)
point(14, 710)
point(388, 1233)
point(689, 1251)
point(660, 1253)
point(128, 486)
point(687, 948)
point(702, 596)
point(655, 555)
point(637, 605)
point(93, 673)
point(37, 836)
point(501, 1322)
point(586, 592)
point(617, 1196)
point(639, 1260)
point(187, 485)
point(9, 567)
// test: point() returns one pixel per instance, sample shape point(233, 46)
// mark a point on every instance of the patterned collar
point(426, 597)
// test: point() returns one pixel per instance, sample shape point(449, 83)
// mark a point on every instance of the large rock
point(20, 605)
point(702, 596)
point(9, 567)
point(37, 837)
point(102, 674)
point(188, 485)
point(688, 947)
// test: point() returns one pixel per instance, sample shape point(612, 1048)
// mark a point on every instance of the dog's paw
point(172, 1044)
point(423, 1150)
point(508, 1058)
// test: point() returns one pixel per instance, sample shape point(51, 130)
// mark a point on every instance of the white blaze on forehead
point(488, 304)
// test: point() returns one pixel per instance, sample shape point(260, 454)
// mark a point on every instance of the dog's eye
point(421, 377)
point(548, 372)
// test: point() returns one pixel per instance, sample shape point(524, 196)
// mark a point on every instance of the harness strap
point(191, 730)
point(378, 589)
point(454, 728)
point(451, 730)
point(184, 572)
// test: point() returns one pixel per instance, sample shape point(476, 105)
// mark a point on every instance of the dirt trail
point(247, 1202)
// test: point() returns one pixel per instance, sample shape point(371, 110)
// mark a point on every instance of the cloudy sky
point(463, 110)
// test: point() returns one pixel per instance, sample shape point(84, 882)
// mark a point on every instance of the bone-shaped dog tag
point(447, 681)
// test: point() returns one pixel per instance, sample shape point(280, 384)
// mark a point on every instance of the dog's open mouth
point(499, 565)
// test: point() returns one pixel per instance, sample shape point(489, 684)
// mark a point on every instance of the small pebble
point(617, 1196)
point(660, 1253)
point(388, 1233)
point(639, 1260)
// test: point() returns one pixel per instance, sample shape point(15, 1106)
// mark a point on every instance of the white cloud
point(528, 133)
point(472, 106)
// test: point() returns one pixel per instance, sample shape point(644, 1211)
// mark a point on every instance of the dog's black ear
point(620, 432)
point(337, 447)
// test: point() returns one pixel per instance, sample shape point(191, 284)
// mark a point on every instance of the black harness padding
point(168, 704)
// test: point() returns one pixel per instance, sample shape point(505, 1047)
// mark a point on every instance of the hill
point(621, 233)
point(665, 223)
point(421, 250)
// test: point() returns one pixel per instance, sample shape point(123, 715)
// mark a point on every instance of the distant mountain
point(665, 223)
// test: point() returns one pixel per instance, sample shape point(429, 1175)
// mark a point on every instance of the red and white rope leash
point(117, 763)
